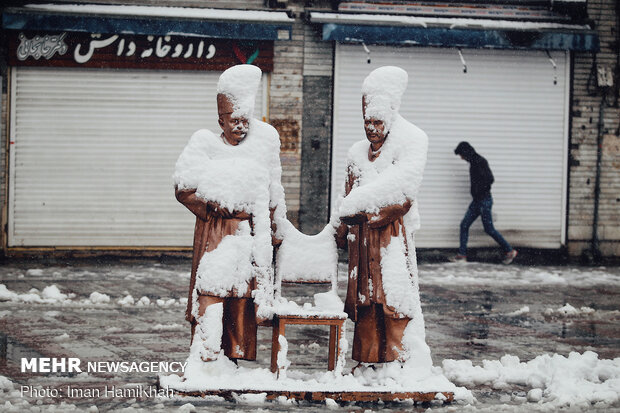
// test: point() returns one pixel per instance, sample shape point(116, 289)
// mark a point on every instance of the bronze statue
point(232, 248)
point(379, 217)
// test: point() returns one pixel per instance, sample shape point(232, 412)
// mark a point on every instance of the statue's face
point(375, 128)
point(235, 128)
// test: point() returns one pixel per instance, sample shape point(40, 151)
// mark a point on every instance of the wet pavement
point(472, 311)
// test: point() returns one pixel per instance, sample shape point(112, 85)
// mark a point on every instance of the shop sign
point(71, 49)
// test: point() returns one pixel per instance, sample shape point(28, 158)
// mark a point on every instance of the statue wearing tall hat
point(379, 217)
point(231, 182)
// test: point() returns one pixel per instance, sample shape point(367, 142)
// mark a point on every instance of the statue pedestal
point(321, 396)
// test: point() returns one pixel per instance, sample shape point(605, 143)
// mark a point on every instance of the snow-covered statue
point(379, 217)
point(231, 183)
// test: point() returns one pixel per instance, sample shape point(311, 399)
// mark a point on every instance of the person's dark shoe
point(510, 256)
point(458, 258)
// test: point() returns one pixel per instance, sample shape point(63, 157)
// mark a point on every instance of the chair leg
point(334, 332)
point(275, 345)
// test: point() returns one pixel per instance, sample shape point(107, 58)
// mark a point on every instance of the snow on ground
point(551, 381)
point(515, 275)
point(52, 295)
point(569, 310)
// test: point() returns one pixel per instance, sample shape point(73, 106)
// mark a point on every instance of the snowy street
point(520, 338)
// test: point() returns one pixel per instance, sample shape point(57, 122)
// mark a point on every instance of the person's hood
point(466, 150)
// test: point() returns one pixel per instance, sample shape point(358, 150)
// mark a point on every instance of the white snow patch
point(307, 257)
point(251, 399)
point(521, 311)
point(126, 301)
point(187, 408)
point(557, 382)
point(35, 272)
point(168, 327)
point(99, 298)
point(568, 310)
point(62, 337)
point(331, 404)
point(144, 301)
point(329, 301)
point(50, 295)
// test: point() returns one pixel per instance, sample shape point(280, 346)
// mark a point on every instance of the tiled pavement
point(463, 322)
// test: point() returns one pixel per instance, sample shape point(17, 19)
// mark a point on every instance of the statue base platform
point(321, 396)
point(221, 379)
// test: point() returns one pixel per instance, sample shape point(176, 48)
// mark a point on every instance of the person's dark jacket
point(480, 175)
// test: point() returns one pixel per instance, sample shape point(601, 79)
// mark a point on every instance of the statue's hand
point(241, 214)
point(388, 214)
point(354, 219)
point(225, 212)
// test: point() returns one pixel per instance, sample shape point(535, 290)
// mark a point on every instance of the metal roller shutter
point(506, 105)
point(93, 153)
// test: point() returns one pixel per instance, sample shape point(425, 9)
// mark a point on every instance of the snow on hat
point(240, 83)
point(383, 89)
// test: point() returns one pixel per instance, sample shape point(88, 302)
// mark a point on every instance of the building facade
point(98, 102)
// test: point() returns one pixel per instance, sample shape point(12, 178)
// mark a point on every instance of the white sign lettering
point(41, 46)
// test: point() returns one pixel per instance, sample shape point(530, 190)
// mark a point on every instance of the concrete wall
point(286, 108)
point(317, 132)
point(591, 103)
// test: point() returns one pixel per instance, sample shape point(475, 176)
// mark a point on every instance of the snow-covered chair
point(308, 259)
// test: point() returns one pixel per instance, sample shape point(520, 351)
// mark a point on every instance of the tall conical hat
point(383, 89)
point(240, 84)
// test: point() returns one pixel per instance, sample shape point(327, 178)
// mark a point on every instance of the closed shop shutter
point(93, 154)
point(512, 106)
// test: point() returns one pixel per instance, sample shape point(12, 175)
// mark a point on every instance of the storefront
point(102, 101)
point(505, 90)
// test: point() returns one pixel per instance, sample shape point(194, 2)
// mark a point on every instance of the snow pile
point(62, 337)
point(307, 257)
point(520, 311)
point(50, 295)
point(187, 408)
point(99, 298)
point(329, 301)
point(126, 301)
point(145, 302)
point(382, 90)
point(576, 381)
point(239, 84)
point(568, 310)
point(34, 272)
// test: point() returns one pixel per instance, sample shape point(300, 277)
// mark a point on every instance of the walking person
point(481, 179)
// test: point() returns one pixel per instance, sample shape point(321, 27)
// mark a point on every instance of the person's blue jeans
point(481, 208)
